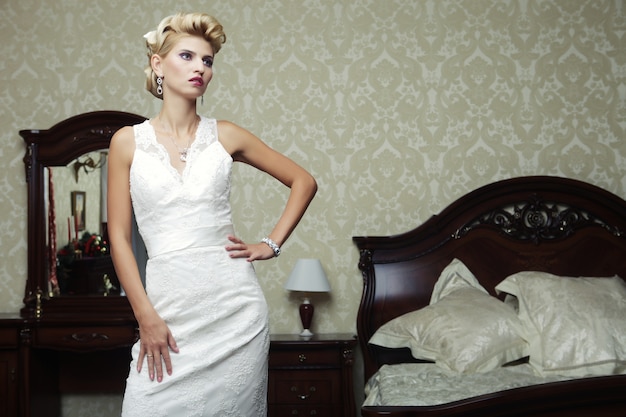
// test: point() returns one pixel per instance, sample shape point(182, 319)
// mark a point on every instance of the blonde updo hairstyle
point(173, 28)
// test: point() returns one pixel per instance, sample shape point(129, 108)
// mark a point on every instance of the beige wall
point(397, 107)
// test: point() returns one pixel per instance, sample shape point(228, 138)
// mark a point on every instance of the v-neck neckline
point(166, 156)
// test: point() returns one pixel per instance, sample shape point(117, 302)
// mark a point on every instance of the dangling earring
point(202, 100)
point(159, 89)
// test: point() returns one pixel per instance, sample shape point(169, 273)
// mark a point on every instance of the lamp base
point(306, 333)
point(306, 315)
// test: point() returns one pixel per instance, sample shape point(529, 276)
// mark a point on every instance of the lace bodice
point(173, 210)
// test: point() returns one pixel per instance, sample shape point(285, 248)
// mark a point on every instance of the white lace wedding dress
point(213, 304)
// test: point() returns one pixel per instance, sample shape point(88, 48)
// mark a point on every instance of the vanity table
point(74, 340)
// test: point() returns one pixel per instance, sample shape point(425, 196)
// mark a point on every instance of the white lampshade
point(308, 276)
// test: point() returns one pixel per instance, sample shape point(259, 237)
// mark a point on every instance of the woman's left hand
point(252, 252)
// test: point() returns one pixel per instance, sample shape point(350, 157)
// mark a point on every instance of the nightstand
point(312, 376)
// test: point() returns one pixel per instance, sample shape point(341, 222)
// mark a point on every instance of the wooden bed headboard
point(552, 224)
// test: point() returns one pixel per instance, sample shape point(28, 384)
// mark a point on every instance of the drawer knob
point(302, 357)
point(303, 397)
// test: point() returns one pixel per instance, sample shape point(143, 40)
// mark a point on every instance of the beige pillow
point(464, 329)
point(575, 326)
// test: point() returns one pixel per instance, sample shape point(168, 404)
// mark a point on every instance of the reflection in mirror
point(83, 264)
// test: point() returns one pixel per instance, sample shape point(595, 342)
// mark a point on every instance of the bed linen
point(424, 384)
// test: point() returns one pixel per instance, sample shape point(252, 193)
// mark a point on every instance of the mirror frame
point(58, 146)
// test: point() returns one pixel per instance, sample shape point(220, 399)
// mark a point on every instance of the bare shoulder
point(228, 131)
point(123, 136)
point(234, 138)
point(225, 125)
point(123, 143)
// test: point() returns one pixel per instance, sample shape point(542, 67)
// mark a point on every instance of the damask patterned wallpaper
point(397, 107)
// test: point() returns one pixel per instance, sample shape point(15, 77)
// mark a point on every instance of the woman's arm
point(155, 336)
point(247, 148)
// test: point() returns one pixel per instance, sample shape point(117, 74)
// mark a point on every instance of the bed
point(513, 237)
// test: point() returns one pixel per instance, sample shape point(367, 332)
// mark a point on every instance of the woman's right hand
point(156, 342)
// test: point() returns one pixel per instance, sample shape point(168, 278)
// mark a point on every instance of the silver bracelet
point(269, 242)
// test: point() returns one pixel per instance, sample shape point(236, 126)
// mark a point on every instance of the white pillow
point(454, 276)
point(464, 329)
point(575, 326)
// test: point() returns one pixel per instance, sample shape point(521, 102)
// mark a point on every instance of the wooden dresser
point(312, 376)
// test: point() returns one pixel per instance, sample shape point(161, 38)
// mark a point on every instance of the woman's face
point(188, 68)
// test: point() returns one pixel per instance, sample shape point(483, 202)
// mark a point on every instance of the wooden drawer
point(304, 358)
point(8, 337)
point(304, 387)
point(85, 338)
point(8, 384)
point(304, 411)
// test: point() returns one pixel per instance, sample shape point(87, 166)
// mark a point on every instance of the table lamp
point(307, 276)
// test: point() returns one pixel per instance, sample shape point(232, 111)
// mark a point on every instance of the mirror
point(76, 207)
point(76, 272)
